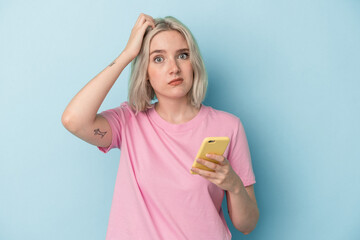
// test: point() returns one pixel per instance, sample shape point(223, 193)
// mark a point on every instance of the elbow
point(246, 233)
point(251, 224)
point(67, 122)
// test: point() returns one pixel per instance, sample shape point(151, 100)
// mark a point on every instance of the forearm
point(243, 210)
point(86, 103)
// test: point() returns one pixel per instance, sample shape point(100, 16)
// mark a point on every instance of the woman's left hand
point(224, 176)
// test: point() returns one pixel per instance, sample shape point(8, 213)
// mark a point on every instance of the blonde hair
point(141, 92)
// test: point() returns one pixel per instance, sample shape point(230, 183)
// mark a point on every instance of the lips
point(176, 81)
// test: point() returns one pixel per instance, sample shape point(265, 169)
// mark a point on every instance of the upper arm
point(97, 133)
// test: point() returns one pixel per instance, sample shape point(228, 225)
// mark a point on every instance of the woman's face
point(169, 59)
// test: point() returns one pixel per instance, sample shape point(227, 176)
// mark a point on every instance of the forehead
point(168, 40)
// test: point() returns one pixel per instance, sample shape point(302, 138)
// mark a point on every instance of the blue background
point(289, 70)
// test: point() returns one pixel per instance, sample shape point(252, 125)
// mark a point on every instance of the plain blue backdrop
point(288, 69)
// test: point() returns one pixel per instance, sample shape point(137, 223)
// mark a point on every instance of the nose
point(174, 66)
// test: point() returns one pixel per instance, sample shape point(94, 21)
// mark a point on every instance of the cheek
point(149, 72)
point(154, 72)
point(190, 71)
point(153, 75)
point(188, 66)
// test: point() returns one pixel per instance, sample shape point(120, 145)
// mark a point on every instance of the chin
point(176, 96)
point(175, 93)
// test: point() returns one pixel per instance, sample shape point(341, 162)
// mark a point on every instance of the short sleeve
point(239, 155)
point(116, 118)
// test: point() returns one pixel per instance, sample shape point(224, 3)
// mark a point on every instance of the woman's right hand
point(137, 34)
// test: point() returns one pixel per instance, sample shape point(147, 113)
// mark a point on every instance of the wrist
point(128, 55)
point(238, 187)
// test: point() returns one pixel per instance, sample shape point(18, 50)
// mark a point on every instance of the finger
point(143, 18)
point(208, 164)
point(146, 25)
point(148, 16)
point(145, 22)
point(140, 18)
point(204, 173)
point(218, 158)
point(150, 19)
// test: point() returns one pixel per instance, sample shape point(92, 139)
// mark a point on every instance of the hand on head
point(137, 34)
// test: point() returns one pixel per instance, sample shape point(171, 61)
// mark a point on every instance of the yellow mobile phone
point(212, 145)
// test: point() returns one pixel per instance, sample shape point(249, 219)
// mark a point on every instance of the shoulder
point(224, 117)
point(123, 111)
point(130, 112)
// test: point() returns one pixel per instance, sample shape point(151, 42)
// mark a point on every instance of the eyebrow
point(162, 51)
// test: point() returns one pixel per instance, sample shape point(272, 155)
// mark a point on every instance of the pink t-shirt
point(155, 196)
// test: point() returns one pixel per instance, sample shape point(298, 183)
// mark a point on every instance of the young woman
point(155, 195)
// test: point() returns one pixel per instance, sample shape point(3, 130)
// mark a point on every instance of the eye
point(158, 59)
point(184, 56)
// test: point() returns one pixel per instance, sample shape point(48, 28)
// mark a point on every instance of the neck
point(176, 111)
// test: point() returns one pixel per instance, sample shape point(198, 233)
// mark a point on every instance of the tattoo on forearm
point(112, 63)
point(98, 132)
